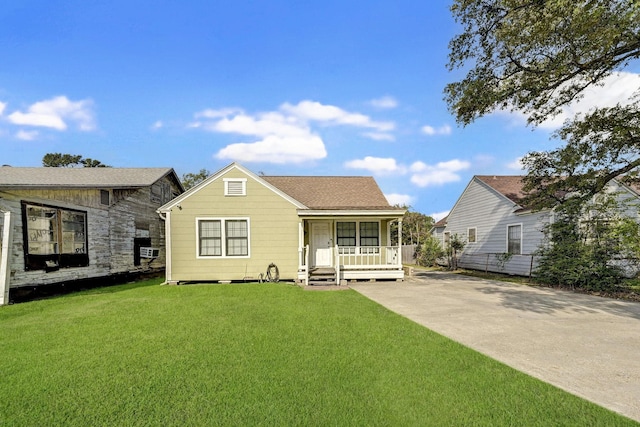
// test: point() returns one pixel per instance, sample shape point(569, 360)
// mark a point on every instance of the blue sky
point(283, 87)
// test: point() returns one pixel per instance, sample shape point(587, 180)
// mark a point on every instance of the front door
point(321, 244)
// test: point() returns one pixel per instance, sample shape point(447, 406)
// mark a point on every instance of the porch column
point(400, 242)
point(5, 258)
point(300, 244)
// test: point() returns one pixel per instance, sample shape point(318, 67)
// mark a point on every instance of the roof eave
point(72, 186)
point(351, 212)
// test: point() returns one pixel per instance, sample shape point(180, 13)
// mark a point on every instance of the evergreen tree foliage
point(192, 179)
point(59, 160)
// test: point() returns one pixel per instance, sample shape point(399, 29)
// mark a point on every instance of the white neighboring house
point(502, 235)
point(490, 219)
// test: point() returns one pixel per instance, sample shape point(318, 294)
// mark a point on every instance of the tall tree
point(60, 160)
point(192, 179)
point(537, 56)
point(415, 227)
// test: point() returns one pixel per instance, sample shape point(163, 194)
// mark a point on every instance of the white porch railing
point(357, 257)
point(369, 256)
point(303, 264)
point(357, 263)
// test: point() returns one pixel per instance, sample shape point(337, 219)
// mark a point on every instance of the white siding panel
point(490, 213)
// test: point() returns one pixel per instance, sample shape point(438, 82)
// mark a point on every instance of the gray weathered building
point(64, 224)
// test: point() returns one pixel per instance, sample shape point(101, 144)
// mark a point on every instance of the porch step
point(322, 277)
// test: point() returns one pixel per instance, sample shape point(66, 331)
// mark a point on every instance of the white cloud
point(399, 199)
point(276, 149)
point(279, 139)
point(377, 136)
point(615, 89)
point(442, 130)
point(157, 125)
point(56, 113)
point(330, 114)
point(27, 135)
point(262, 125)
point(437, 216)
point(386, 102)
point(516, 164)
point(284, 135)
point(376, 165)
point(3, 105)
point(424, 175)
point(216, 114)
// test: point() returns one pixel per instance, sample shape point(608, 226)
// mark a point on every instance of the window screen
point(223, 237)
point(210, 238)
point(471, 235)
point(346, 233)
point(237, 238)
point(514, 239)
point(369, 234)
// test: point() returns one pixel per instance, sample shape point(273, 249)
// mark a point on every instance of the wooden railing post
point(337, 264)
point(306, 265)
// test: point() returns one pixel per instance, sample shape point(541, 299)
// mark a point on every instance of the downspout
point(166, 217)
point(5, 270)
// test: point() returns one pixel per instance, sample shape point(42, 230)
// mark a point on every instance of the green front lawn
point(256, 354)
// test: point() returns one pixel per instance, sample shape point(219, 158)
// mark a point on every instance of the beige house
point(315, 230)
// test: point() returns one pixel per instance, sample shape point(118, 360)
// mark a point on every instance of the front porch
point(350, 245)
point(353, 263)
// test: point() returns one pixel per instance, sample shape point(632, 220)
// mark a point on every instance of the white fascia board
point(341, 213)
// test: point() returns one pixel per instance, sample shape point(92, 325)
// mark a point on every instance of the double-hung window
point(369, 236)
point(346, 237)
point(210, 238)
point(472, 234)
point(223, 237)
point(353, 235)
point(237, 237)
point(54, 237)
point(514, 239)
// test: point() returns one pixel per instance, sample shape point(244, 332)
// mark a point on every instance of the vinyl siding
point(273, 232)
point(490, 213)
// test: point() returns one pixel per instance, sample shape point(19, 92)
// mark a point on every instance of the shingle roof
point(80, 177)
point(509, 186)
point(332, 192)
point(442, 222)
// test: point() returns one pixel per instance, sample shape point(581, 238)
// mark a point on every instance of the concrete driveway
point(586, 345)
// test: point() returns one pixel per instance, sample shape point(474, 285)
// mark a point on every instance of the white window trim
point(358, 248)
point(475, 234)
point(226, 186)
point(358, 221)
point(521, 238)
point(223, 236)
point(444, 238)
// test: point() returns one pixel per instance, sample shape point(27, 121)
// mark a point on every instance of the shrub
point(429, 251)
point(584, 245)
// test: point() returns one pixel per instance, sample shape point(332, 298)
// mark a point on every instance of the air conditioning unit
point(146, 252)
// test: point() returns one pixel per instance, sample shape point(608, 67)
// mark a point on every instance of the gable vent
point(235, 187)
